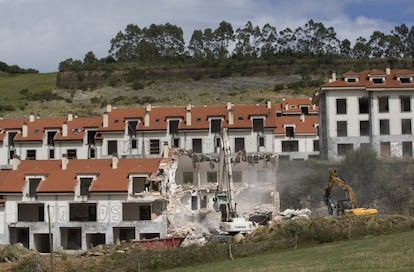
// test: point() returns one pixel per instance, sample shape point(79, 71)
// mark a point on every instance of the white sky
point(41, 33)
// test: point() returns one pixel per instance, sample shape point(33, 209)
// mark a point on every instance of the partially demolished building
point(139, 173)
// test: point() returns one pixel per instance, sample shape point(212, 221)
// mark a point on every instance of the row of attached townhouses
point(288, 129)
point(369, 108)
point(104, 179)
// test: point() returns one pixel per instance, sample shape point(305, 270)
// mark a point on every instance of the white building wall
point(353, 118)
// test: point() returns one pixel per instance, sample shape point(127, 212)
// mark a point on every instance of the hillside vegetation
point(21, 95)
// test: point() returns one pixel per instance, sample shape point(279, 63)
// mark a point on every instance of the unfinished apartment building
point(370, 108)
point(259, 135)
point(87, 202)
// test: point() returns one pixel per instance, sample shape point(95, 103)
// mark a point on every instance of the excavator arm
point(347, 206)
point(334, 179)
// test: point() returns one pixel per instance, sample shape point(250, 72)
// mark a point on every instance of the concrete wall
point(353, 118)
point(108, 216)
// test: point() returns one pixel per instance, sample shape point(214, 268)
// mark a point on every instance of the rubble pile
point(294, 214)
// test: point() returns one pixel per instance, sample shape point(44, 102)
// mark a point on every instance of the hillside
point(21, 95)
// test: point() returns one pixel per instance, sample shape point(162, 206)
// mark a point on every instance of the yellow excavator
point(347, 206)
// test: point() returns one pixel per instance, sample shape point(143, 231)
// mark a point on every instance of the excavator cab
point(342, 206)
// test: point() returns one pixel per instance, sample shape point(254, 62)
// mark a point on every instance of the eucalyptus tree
point(379, 44)
point(196, 46)
point(268, 46)
point(286, 41)
point(163, 42)
point(361, 48)
point(124, 44)
point(223, 35)
point(247, 41)
point(402, 41)
point(315, 39)
point(210, 44)
point(345, 48)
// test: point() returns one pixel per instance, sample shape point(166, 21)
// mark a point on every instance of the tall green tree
point(379, 44)
point(315, 39)
point(124, 45)
point(345, 48)
point(196, 46)
point(247, 41)
point(268, 41)
point(223, 34)
point(361, 48)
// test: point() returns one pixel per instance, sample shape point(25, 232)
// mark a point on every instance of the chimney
point(105, 119)
point(388, 71)
point(115, 161)
point(65, 162)
point(230, 113)
point(31, 117)
point(166, 150)
point(302, 117)
point(25, 129)
point(65, 129)
point(147, 115)
point(269, 105)
point(333, 77)
point(15, 161)
point(70, 117)
point(108, 108)
point(188, 115)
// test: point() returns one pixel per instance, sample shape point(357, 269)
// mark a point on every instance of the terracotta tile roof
point(10, 124)
point(36, 128)
point(364, 82)
point(58, 180)
point(117, 117)
point(76, 128)
point(306, 127)
point(293, 105)
point(159, 117)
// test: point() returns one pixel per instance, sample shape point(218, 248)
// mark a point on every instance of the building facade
point(86, 202)
point(289, 129)
point(101, 179)
point(369, 108)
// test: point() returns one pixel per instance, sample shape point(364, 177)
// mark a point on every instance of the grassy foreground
point(392, 252)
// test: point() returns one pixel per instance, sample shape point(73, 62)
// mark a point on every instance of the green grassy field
point(10, 85)
point(392, 252)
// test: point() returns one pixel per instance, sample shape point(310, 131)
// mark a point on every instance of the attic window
point(33, 184)
point(116, 121)
point(198, 119)
point(36, 130)
point(157, 120)
point(75, 130)
point(304, 110)
point(290, 131)
point(85, 183)
point(351, 80)
point(241, 118)
point(293, 106)
point(378, 80)
point(405, 79)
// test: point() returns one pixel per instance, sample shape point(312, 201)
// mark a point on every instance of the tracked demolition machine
point(348, 205)
point(224, 197)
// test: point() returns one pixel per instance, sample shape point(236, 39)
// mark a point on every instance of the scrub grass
point(391, 252)
point(11, 85)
